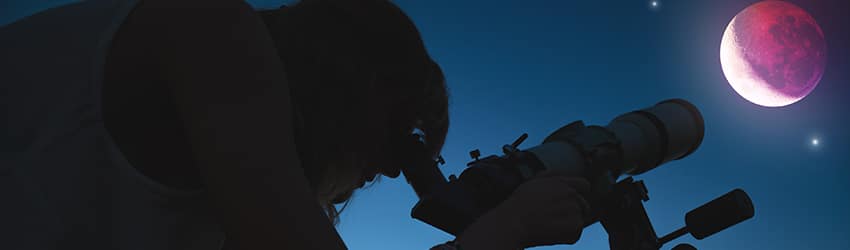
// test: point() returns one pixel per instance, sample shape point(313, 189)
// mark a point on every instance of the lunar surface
point(773, 53)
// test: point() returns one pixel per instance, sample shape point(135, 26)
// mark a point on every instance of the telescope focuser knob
point(519, 140)
point(441, 160)
point(474, 154)
point(512, 148)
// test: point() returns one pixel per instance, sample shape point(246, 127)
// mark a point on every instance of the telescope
point(631, 144)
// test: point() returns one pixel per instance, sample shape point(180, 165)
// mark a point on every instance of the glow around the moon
point(773, 53)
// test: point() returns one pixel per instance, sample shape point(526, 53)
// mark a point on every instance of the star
point(654, 4)
point(815, 142)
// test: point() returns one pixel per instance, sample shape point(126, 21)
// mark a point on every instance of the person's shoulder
point(208, 11)
point(234, 5)
point(176, 21)
point(205, 34)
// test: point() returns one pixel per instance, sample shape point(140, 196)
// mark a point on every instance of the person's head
point(361, 81)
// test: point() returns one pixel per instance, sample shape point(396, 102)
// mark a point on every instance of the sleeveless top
point(64, 184)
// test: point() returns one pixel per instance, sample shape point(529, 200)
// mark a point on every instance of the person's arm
point(546, 210)
point(230, 91)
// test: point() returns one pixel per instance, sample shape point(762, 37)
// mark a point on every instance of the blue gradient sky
point(535, 65)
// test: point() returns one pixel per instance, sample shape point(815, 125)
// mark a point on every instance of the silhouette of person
point(207, 124)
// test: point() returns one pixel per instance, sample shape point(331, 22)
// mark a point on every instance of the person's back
point(63, 182)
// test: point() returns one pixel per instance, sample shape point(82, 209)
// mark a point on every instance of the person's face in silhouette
point(361, 77)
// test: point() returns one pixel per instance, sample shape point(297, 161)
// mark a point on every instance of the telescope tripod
point(624, 218)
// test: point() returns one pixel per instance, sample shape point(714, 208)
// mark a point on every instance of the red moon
point(773, 53)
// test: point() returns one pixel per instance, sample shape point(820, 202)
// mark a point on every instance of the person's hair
point(360, 81)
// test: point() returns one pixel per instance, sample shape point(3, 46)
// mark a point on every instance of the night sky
point(535, 65)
